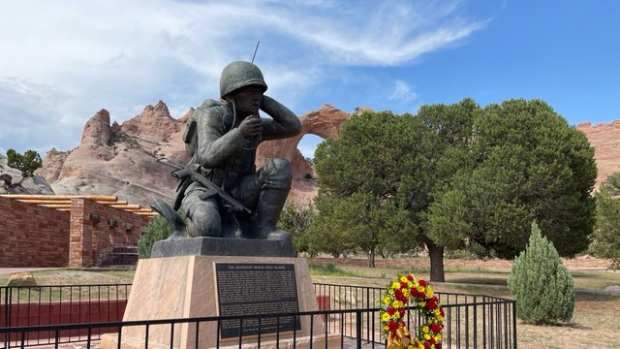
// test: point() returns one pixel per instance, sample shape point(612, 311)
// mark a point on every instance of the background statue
point(221, 193)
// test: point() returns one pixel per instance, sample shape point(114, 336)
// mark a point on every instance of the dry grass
point(596, 322)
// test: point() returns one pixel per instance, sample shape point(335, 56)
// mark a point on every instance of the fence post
point(358, 328)
point(514, 324)
point(7, 335)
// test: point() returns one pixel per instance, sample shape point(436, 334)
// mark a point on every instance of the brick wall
point(95, 228)
point(35, 236)
point(32, 236)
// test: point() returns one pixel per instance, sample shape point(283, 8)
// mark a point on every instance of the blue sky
point(62, 63)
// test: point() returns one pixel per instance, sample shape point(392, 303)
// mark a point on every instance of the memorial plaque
point(248, 289)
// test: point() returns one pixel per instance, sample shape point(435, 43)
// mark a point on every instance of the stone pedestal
point(185, 287)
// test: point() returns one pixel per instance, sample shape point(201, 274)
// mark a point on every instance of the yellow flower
point(432, 346)
point(385, 316)
point(403, 279)
point(387, 300)
point(429, 291)
point(427, 336)
point(438, 338)
point(395, 285)
point(406, 292)
point(420, 288)
point(425, 329)
point(397, 304)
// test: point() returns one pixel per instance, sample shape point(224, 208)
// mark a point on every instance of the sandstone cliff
point(118, 159)
point(605, 138)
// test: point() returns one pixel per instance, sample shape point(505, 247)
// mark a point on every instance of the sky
point(61, 61)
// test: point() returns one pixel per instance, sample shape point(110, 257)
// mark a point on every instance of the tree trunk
point(371, 258)
point(436, 254)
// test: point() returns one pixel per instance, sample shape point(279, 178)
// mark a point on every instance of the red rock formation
point(605, 138)
point(97, 130)
point(154, 123)
point(118, 159)
point(324, 122)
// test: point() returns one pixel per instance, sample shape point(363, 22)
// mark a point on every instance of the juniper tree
point(541, 285)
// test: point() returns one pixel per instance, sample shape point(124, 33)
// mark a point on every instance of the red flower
point(423, 283)
point(427, 345)
point(441, 312)
point(431, 304)
point(410, 277)
point(403, 285)
point(402, 312)
point(398, 294)
point(391, 311)
point(437, 345)
point(436, 328)
point(393, 326)
point(415, 293)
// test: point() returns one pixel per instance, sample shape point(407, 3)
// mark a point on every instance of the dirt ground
point(596, 321)
point(578, 263)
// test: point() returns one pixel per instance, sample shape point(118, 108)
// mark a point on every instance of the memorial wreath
point(393, 309)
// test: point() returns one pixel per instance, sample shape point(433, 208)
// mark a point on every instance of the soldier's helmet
point(240, 74)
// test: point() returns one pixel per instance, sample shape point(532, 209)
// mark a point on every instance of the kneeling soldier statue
point(221, 193)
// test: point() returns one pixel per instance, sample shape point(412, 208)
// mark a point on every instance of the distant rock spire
point(97, 130)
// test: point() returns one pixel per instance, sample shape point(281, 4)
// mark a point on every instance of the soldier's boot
point(270, 204)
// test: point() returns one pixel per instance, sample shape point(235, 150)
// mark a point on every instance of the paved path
point(6, 271)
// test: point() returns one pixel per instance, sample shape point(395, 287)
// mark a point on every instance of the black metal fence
point(348, 317)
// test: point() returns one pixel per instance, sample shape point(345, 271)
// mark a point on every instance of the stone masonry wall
point(31, 235)
point(96, 228)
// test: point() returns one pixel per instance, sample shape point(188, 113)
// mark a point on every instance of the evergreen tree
point(606, 237)
point(29, 162)
point(525, 163)
point(541, 285)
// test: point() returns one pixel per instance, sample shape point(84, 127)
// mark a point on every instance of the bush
point(157, 229)
point(297, 221)
point(541, 285)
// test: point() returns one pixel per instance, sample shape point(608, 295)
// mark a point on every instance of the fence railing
point(348, 317)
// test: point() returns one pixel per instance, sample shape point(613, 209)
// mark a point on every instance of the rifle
point(181, 172)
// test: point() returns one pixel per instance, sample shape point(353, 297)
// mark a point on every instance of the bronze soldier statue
point(222, 136)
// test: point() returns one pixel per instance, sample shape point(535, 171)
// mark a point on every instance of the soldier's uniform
point(228, 159)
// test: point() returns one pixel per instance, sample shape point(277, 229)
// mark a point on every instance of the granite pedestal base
point(185, 287)
point(211, 246)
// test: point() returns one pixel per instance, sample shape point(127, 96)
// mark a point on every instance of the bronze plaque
point(250, 289)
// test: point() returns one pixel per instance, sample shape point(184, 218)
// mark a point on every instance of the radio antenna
point(255, 50)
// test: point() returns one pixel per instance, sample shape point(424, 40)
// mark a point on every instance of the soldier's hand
point(250, 126)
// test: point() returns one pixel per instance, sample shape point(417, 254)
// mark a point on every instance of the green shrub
point(541, 285)
point(157, 229)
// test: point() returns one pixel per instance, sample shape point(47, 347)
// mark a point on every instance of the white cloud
point(64, 60)
point(403, 92)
